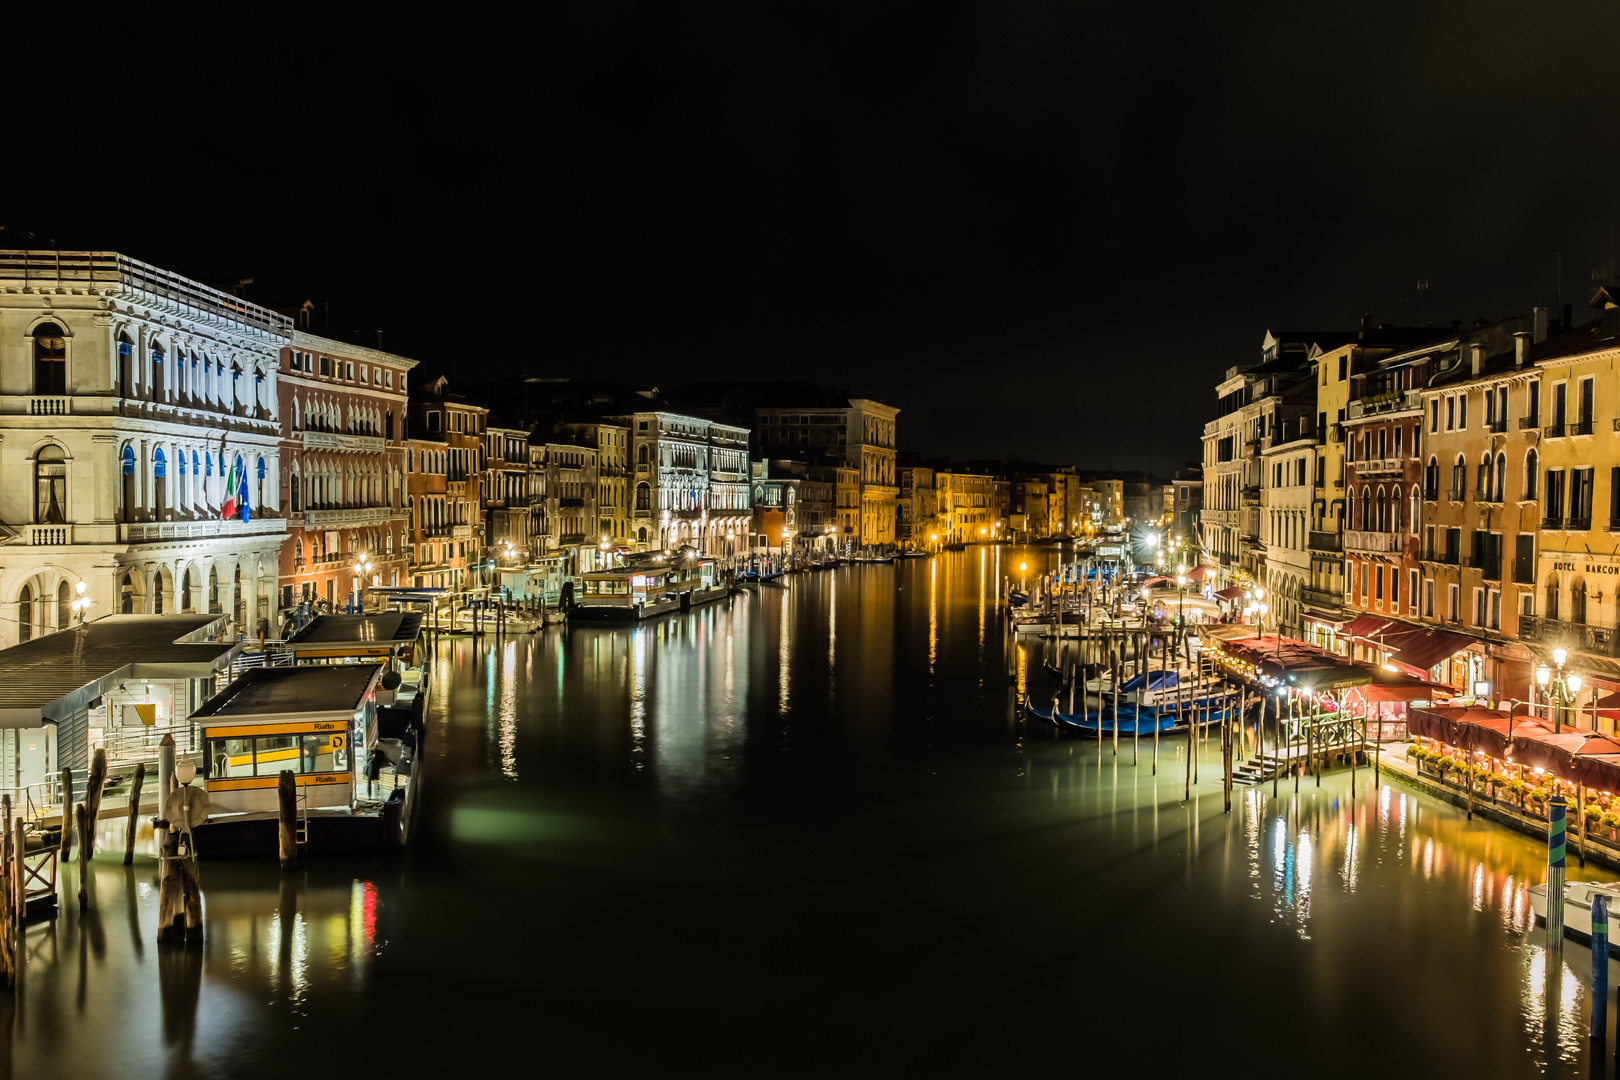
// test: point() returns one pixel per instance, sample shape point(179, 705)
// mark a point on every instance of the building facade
point(965, 505)
point(444, 508)
point(690, 480)
point(128, 395)
point(342, 470)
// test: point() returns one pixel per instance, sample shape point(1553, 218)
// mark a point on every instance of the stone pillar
point(143, 482)
point(199, 590)
point(250, 610)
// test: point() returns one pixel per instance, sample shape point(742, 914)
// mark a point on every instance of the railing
point(1496, 427)
point(1444, 558)
point(355, 515)
point(136, 532)
point(1552, 523)
point(1578, 524)
point(1526, 423)
point(1326, 541)
point(134, 744)
point(325, 440)
point(105, 272)
point(1580, 427)
point(1554, 431)
point(50, 535)
point(49, 406)
point(1457, 494)
point(1377, 465)
point(1431, 494)
point(1363, 540)
point(1322, 597)
point(1596, 640)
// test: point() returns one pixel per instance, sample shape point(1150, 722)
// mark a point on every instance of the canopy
point(1422, 649)
point(1397, 686)
point(1365, 625)
point(1229, 594)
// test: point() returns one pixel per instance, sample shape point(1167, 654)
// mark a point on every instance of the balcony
point(1326, 541)
point(1431, 494)
point(331, 440)
point(1389, 401)
point(1554, 431)
point(1359, 540)
point(1594, 640)
point(1324, 598)
point(1580, 427)
point(1444, 558)
point(1251, 493)
point(1529, 423)
point(1580, 524)
point(148, 531)
point(1456, 494)
point(1496, 427)
point(1552, 523)
point(1336, 433)
point(355, 515)
point(1374, 466)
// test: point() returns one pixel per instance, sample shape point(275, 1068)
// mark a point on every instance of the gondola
point(1053, 670)
point(1045, 716)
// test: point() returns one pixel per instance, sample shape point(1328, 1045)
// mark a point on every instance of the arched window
point(127, 467)
point(160, 482)
point(1395, 510)
point(25, 614)
point(126, 352)
point(1530, 477)
point(1417, 511)
point(260, 470)
point(1577, 600)
point(643, 495)
point(183, 601)
point(50, 486)
point(1501, 478)
point(641, 536)
point(64, 605)
point(297, 489)
point(50, 359)
point(1431, 479)
point(1459, 477)
point(213, 591)
point(126, 593)
point(641, 454)
point(1552, 596)
point(1366, 508)
point(157, 373)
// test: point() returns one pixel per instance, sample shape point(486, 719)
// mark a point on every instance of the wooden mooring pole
point(134, 812)
point(287, 813)
point(88, 812)
point(65, 844)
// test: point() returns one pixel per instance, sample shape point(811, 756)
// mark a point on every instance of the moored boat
point(1578, 906)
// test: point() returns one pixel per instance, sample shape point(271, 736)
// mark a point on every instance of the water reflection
point(677, 809)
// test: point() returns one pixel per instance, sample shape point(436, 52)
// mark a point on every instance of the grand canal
point(805, 831)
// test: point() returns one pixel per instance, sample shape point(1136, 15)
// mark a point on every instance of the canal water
point(805, 830)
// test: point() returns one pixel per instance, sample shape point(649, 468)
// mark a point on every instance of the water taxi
point(652, 585)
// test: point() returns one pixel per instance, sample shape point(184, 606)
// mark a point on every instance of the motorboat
point(1578, 906)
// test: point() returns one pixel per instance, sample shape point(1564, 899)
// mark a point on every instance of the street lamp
point(1022, 586)
point(80, 606)
point(1181, 606)
point(1560, 685)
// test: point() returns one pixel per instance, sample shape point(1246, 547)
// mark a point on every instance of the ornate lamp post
point(81, 605)
point(1560, 685)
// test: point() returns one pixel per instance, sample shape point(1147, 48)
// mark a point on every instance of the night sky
point(1039, 230)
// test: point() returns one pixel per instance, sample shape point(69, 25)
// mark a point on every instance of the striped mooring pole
point(1600, 966)
point(1555, 882)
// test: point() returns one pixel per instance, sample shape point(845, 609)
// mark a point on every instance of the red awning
point(1397, 686)
point(1366, 625)
point(1196, 572)
point(1229, 594)
point(1422, 649)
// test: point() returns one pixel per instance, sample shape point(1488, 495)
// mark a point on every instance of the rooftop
point(383, 627)
point(310, 688)
point(56, 675)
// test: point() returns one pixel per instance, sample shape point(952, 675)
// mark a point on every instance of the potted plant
point(1517, 788)
point(1610, 821)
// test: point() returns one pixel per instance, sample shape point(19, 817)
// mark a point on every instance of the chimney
point(1569, 317)
point(1521, 345)
point(1366, 324)
point(1477, 354)
point(1539, 322)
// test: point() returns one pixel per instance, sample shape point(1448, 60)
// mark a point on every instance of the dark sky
point(1039, 230)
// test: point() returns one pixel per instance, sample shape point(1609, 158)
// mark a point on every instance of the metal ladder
point(301, 833)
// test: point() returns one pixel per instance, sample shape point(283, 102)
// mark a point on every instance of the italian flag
point(236, 500)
